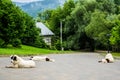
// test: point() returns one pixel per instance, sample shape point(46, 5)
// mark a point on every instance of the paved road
point(66, 67)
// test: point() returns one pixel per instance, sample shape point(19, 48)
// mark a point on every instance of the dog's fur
point(41, 58)
point(108, 59)
point(18, 62)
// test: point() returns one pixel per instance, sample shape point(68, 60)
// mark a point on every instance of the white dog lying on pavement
point(108, 59)
point(41, 58)
point(18, 62)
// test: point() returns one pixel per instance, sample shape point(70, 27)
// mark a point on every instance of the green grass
point(115, 54)
point(26, 50)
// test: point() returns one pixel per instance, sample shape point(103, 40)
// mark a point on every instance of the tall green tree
point(17, 27)
point(11, 22)
point(115, 35)
point(117, 2)
point(99, 27)
point(106, 6)
point(31, 32)
point(76, 24)
point(102, 21)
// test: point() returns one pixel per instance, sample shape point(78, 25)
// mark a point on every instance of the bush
point(40, 43)
point(16, 43)
point(58, 45)
point(53, 48)
point(1, 43)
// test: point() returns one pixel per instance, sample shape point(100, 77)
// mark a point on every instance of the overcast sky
point(25, 0)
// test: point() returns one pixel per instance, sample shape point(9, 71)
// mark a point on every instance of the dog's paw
point(10, 67)
point(7, 66)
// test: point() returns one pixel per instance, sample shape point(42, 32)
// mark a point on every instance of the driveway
point(76, 66)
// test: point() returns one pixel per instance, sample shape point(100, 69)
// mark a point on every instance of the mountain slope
point(33, 8)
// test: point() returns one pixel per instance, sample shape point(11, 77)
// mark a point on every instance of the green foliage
point(1, 43)
point(54, 18)
point(101, 22)
point(16, 43)
point(69, 29)
point(97, 24)
point(68, 7)
point(45, 15)
point(17, 27)
point(58, 45)
point(86, 23)
point(117, 2)
point(115, 34)
point(40, 43)
point(106, 6)
point(31, 32)
point(81, 19)
point(11, 22)
point(115, 38)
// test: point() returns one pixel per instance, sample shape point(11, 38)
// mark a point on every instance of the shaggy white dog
point(108, 58)
point(41, 58)
point(18, 62)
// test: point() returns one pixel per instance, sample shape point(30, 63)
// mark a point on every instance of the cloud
point(25, 0)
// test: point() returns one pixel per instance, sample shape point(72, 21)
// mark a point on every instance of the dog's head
point(14, 59)
point(108, 61)
point(31, 58)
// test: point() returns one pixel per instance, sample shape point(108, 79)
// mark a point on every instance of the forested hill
point(33, 8)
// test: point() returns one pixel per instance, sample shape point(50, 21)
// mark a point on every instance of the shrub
point(16, 43)
point(1, 43)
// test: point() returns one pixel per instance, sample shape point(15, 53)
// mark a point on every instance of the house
point(46, 33)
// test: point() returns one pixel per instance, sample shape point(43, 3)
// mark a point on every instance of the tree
point(115, 38)
point(75, 28)
point(11, 22)
point(44, 16)
point(86, 22)
point(117, 2)
point(68, 7)
point(106, 6)
point(115, 35)
point(17, 27)
point(30, 32)
point(99, 27)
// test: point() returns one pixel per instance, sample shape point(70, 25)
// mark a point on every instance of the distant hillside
point(33, 8)
point(20, 4)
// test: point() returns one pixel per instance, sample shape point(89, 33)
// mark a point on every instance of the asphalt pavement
point(76, 66)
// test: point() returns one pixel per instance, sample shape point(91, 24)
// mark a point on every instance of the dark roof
point(45, 31)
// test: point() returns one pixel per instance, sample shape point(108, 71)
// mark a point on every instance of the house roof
point(45, 31)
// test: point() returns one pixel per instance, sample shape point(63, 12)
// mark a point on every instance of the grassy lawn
point(26, 50)
point(115, 54)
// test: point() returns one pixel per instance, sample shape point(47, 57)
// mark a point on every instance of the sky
point(25, 0)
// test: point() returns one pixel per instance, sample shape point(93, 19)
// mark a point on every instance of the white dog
point(108, 58)
point(18, 62)
point(41, 58)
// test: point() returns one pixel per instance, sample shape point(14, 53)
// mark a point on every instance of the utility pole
point(61, 36)
point(108, 43)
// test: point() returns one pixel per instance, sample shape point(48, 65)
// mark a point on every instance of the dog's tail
point(99, 61)
point(51, 60)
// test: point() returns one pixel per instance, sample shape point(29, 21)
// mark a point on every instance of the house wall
point(47, 40)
